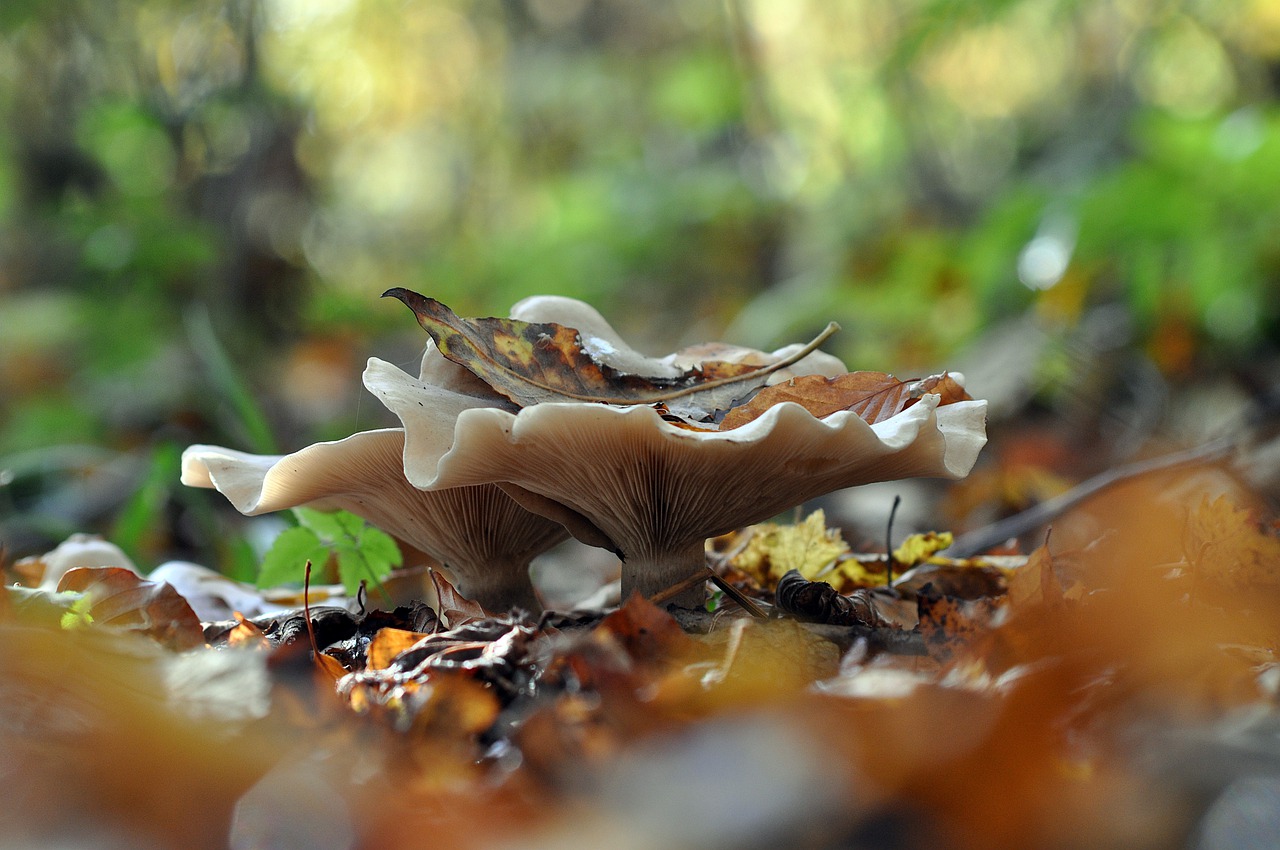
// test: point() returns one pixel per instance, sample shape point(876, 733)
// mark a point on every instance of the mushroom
point(479, 533)
point(624, 478)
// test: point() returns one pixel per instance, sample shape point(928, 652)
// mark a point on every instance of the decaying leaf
point(873, 396)
point(454, 608)
point(533, 362)
point(946, 623)
point(644, 630)
point(773, 550)
point(120, 598)
point(818, 602)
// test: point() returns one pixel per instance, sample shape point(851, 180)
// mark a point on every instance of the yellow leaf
point(773, 550)
point(919, 548)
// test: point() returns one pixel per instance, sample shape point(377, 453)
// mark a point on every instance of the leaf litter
point(983, 702)
point(1036, 673)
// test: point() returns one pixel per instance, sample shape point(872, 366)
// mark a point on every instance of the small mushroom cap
point(479, 532)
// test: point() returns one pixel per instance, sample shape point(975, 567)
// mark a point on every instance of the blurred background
point(1075, 202)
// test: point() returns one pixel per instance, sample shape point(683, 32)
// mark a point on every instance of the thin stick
point(678, 588)
point(980, 540)
point(738, 596)
point(888, 541)
point(306, 609)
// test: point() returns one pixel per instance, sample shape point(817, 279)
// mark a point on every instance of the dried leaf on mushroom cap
point(440, 371)
point(546, 362)
point(657, 491)
point(813, 363)
point(606, 344)
point(599, 339)
point(481, 534)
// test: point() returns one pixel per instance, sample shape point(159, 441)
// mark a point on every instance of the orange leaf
point(387, 644)
point(873, 396)
point(1036, 581)
point(246, 635)
point(646, 631)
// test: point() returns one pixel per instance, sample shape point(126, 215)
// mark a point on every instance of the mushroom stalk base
point(650, 573)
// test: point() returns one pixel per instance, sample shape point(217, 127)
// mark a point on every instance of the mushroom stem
point(651, 572)
point(500, 588)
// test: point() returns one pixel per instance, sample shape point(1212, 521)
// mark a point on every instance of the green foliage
point(363, 553)
point(77, 615)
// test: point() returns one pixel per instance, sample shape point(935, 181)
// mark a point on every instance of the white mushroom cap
point(603, 343)
point(655, 490)
point(483, 536)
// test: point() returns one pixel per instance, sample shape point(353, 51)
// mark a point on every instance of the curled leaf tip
point(397, 292)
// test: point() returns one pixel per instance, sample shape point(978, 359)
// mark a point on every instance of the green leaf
point(77, 615)
point(285, 562)
point(330, 527)
point(369, 557)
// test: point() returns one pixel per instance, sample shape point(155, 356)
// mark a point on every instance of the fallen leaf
point(774, 550)
point(1036, 582)
point(947, 623)
point(246, 635)
point(534, 362)
point(1226, 544)
point(918, 548)
point(387, 644)
point(873, 396)
point(455, 608)
point(818, 602)
point(644, 630)
point(118, 597)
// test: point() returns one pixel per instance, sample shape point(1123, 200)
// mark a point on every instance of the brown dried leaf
point(873, 396)
point(533, 362)
point(454, 607)
point(121, 598)
point(818, 602)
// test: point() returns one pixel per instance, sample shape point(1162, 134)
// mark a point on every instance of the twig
point(738, 596)
point(678, 588)
point(306, 609)
point(980, 540)
point(888, 541)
